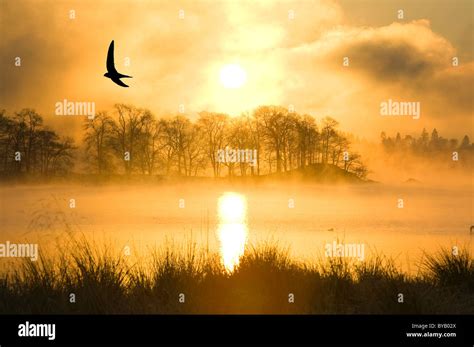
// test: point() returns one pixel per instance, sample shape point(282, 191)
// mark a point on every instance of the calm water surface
point(227, 219)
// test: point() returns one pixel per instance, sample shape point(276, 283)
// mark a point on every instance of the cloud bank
point(175, 61)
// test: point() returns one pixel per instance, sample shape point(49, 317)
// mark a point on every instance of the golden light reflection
point(232, 230)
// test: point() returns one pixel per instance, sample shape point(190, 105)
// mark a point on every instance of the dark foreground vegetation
point(106, 283)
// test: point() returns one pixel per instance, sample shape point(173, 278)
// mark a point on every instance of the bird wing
point(110, 58)
point(123, 76)
point(119, 82)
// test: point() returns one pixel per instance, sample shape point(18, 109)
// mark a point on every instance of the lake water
point(225, 218)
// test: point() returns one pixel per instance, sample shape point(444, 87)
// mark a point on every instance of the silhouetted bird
point(112, 73)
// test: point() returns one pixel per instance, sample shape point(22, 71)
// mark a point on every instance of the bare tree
point(98, 138)
point(340, 144)
point(328, 134)
point(28, 122)
point(149, 146)
point(7, 136)
point(194, 150)
point(127, 131)
point(276, 128)
point(240, 138)
point(214, 126)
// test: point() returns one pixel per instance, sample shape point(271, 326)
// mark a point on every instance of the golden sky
point(287, 61)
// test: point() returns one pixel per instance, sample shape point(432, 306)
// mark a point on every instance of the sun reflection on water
point(232, 230)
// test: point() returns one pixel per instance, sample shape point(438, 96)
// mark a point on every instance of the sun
point(233, 76)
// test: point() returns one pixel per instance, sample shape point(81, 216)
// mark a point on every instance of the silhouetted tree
point(214, 127)
point(98, 140)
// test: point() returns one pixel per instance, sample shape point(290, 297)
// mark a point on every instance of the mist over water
point(227, 218)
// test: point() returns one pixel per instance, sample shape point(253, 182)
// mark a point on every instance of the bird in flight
point(112, 73)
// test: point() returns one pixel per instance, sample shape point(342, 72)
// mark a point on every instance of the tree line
point(426, 144)
point(131, 140)
point(28, 147)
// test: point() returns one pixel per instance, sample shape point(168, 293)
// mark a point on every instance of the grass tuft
point(267, 280)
